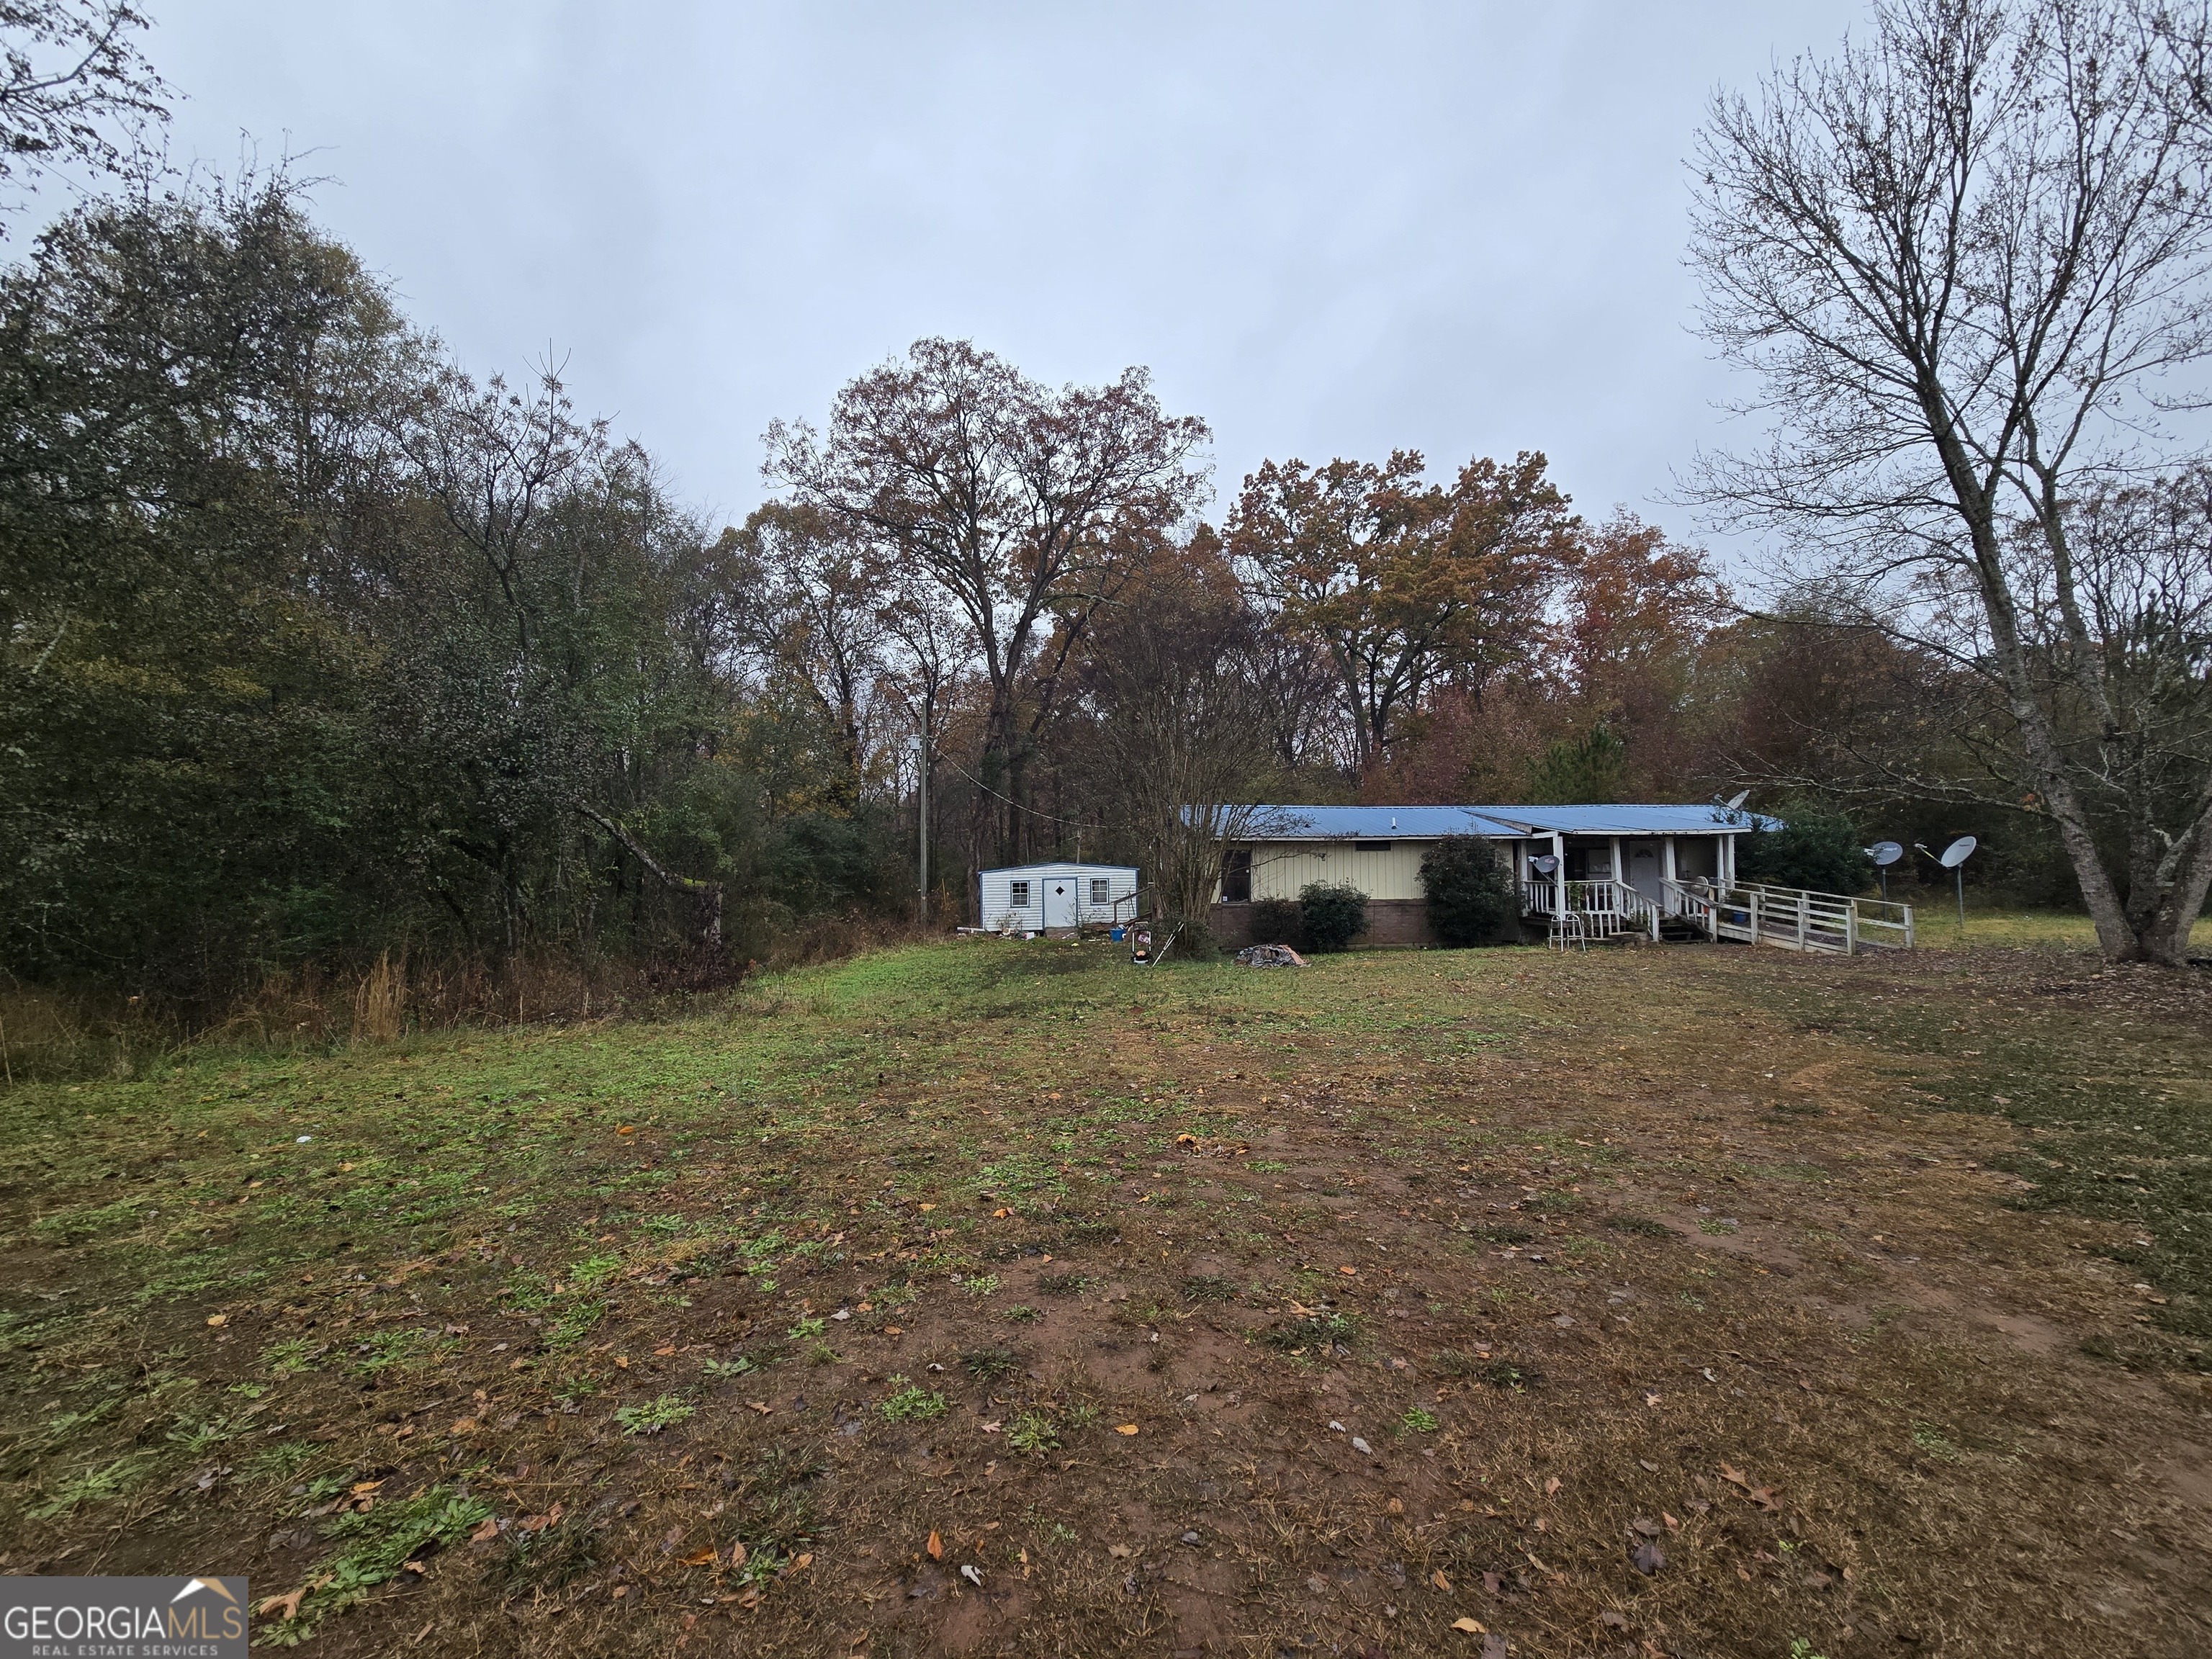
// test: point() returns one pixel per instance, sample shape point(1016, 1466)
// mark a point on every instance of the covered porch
point(1586, 886)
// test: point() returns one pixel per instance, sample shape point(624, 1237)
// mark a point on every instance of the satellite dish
point(1735, 801)
point(1958, 852)
point(1544, 865)
point(1884, 854)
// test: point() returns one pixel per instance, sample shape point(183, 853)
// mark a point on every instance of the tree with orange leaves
point(1405, 584)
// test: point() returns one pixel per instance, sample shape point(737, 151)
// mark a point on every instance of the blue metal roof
point(1427, 822)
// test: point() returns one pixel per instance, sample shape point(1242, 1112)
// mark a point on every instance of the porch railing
point(1756, 913)
point(1603, 909)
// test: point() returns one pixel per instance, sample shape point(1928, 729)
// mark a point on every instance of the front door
point(1059, 902)
point(1646, 871)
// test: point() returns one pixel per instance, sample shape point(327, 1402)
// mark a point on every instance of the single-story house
point(1659, 851)
point(1048, 897)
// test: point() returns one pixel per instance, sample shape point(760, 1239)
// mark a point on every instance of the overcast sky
point(1327, 230)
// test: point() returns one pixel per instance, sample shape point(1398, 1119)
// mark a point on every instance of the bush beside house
point(1470, 891)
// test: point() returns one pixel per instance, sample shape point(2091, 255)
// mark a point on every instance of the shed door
point(1059, 902)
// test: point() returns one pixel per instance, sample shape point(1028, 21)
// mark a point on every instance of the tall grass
point(49, 1032)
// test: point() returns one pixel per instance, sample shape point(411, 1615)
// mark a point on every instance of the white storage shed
point(1038, 897)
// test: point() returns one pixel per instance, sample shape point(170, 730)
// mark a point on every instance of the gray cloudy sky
point(1328, 230)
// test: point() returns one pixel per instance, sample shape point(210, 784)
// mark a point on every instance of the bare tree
point(75, 91)
point(1966, 257)
point(1181, 718)
point(1009, 495)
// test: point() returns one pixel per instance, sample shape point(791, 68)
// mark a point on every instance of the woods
point(319, 648)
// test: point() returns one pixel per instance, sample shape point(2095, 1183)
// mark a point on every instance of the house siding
point(1282, 870)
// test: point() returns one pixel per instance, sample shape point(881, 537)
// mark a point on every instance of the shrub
point(1331, 917)
point(1194, 941)
point(1470, 894)
point(1815, 848)
point(1279, 921)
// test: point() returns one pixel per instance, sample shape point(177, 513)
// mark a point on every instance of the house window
point(1236, 876)
point(1370, 847)
point(1101, 890)
point(1018, 895)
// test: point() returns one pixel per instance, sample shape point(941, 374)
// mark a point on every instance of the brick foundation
point(1391, 923)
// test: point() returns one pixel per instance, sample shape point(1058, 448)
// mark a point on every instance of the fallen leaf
point(362, 1488)
point(627, 1129)
point(800, 1564)
point(664, 1353)
point(289, 1605)
point(218, 1320)
point(936, 1547)
point(1647, 1557)
point(738, 1553)
point(1493, 1584)
point(1000, 1215)
point(1550, 1485)
point(465, 1425)
point(416, 1567)
point(1493, 1646)
point(486, 1529)
point(1438, 1579)
point(1354, 1272)
point(621, 1363)
point(1125, 1428)
point(760, 1406)
point(1613, 1621)
point(1119, 1552)
point(699, 1558)
point(1471, 1626)
point(926, 1206)
point(1734, 1477)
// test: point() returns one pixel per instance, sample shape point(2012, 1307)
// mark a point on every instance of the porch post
point(1559, 872)
point(1666, 869)
point(1619, 871)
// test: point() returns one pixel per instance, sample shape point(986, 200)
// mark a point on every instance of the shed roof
point(1499, 822)
point(1063, 865)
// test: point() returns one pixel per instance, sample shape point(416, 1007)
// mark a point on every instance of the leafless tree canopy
point(1966, 258)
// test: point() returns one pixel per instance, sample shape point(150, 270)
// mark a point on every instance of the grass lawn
point(1938, 929)
point(1001, 1298)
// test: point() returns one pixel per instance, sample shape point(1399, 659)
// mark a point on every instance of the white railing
point(1605, 909)
point(1755, 913)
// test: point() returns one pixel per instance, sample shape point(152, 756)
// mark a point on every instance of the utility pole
point(921, 824)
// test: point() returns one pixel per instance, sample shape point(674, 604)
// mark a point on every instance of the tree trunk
point(707, 910)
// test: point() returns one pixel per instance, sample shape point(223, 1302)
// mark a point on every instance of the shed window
point(1370, 847)
point(1018, 895)
point(1101, 890)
